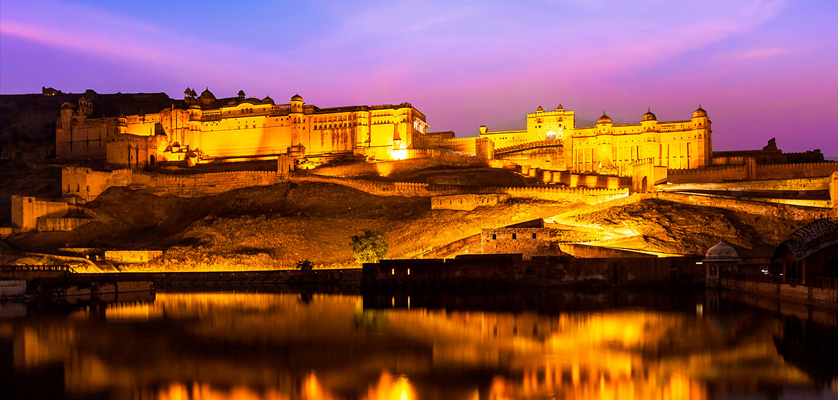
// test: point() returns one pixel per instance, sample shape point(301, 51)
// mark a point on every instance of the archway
point(644, 184)
point(152, 160)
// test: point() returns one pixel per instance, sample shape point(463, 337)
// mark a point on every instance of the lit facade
point(204, 128)
point(610, 148)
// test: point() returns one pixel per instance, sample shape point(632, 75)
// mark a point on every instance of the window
point(408, 271)
point(494, 236)
point(393, 271)
point(533, 235)
point(514, 236)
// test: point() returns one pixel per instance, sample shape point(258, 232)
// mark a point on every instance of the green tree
point(371, 246)
point(305, 265)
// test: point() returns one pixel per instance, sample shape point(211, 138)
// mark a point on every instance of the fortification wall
point(714, 174)
point(386, 168)
point(462, 145)
point(819, 183)
point(803, 170)
point(548, 158)
point(27, 210)
point(196, 185)
point(426, 190)
point(88, 184)
point(47, 224)
point(466, 202)
point(792, 211)
point(707, 174)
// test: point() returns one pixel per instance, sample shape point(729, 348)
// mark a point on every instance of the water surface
point(533, 345)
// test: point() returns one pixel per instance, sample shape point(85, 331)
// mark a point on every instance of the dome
point(699, 113)
point(721, 252)
point(604, 119)
point(206, 94)
point(297, 97)
point(268, 100)
point(539, 109)
point(560, 107)
point(649, 116)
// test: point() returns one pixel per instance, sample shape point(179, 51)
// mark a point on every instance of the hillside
point(277, 226)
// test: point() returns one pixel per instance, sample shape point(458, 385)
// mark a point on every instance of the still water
point(534, 345)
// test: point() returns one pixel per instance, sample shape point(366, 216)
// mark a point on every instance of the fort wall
point(466, 202)
point(27, 210)
point(46, 224)
point(88, 184)
point(819, 183)
point(409, 189)
point(723, 173)
point(386, 168)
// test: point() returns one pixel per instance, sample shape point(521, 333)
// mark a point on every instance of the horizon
point(762, 69)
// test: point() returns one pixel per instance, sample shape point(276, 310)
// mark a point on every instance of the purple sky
point(761, 68)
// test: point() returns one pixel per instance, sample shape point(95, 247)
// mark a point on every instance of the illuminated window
point(408, 271)
point(393, 271)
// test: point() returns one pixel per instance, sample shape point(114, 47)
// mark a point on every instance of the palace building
point(205, 129)
point(609, 148)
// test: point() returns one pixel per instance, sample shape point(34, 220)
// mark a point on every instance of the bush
point(369, 247)
point(305, 265)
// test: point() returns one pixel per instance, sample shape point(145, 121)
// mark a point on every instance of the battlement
point(529, 145)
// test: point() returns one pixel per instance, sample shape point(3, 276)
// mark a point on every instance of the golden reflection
point(323, 346)
point(388, 388)
point(178, 391)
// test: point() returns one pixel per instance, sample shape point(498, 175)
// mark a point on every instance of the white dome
point(721, 252)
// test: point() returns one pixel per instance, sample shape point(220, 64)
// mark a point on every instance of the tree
point(305, 265)
point(369, 247)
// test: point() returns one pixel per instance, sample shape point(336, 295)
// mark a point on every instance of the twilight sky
point(761, 68)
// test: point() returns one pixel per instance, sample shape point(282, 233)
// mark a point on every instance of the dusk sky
point(761, 68)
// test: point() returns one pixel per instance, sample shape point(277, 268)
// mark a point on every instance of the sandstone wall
point(723, 173)
point(819, 183)
point(529, 242)
point(408, 189)
point(60, 224)
point(386, 168)
point(88, 184)
point(466, 202)
point(27, 210)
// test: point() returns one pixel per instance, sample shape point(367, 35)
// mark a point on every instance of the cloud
point(767, 52)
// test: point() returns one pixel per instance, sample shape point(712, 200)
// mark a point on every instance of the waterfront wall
point(514, 270)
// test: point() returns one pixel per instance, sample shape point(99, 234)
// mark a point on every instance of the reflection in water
point(282, 346)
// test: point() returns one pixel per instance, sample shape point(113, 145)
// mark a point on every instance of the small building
point(530, 239)
point(721, 258)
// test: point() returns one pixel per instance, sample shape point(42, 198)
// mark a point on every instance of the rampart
point(88, 184)
point(753, 171)
point(818, 183)
point(466, 202)
point(528, 146)
point(409, 189)
point(29, 213)
point(386, 168)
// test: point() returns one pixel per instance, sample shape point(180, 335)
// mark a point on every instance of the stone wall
point(27, 210)
point(387, 168)
point(529, 242)
point(819, 183)
point(724, 173)
point(88, 184)
point(60, 224)
point(466, 202)
point(408, 189)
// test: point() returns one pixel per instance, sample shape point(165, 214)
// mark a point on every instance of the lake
point(295, 343)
